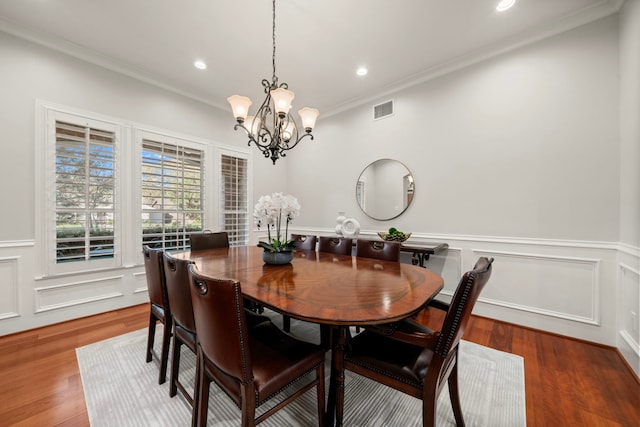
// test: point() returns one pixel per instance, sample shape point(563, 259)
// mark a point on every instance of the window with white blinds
point(234, 215)
point(172, 194)
point(85, 168)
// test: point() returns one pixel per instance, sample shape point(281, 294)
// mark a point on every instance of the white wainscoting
point(29, 302)
point(628, 307)
point(564, 287)
point(567, 288)
point(75, 293)
point(9, 303)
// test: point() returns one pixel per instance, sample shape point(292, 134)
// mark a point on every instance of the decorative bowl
point(393, 238)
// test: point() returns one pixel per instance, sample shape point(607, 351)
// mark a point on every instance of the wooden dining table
point(334, 291)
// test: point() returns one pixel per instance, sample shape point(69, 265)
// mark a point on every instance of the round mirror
point(385, 189)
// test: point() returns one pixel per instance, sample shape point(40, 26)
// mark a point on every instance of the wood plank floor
point(568, 382)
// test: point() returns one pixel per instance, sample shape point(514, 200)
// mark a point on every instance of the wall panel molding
point(9, 287)
point(64, 295)
point(574, 280)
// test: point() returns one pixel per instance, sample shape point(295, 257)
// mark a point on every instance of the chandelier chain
point(273, 38)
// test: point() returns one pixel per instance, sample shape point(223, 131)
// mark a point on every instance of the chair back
point(464, 298)
point(208, 240)
point(387, 251)
point(335, 245)
point(218, 311)
point(177, 278)
point(303, 242)
point(154, 271)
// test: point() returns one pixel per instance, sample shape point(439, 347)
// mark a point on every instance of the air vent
point(383, 110)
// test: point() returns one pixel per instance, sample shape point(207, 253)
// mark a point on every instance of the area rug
point(122, 390)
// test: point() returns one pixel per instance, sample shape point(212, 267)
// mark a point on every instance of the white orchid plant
point(272, 210)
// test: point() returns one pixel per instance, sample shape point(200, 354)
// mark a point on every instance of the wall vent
point(383, 110)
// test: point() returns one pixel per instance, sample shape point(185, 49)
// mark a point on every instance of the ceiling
point(320, 44)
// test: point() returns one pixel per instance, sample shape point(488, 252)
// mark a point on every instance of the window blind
point(233, 199)
point(85, 167)
point(172, 194)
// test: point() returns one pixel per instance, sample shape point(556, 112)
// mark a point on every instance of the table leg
point(335, 402)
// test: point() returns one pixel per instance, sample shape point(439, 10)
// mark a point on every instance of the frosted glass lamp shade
point(240, 107)
point(253, 125)
point(309, 117)
point(282, 100)
point(287, 132)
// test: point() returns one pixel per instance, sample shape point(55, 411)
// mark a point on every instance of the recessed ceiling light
point(200, 65)
point(504, 5)
point(362, 71)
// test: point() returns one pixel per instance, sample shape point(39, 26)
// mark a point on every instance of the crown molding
point(64, 46)
point(586, 15)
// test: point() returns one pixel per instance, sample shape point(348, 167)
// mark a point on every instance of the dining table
point(334, 291)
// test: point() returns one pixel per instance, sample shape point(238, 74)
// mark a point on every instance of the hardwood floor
point(568, 382)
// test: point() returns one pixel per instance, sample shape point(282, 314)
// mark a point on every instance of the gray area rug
point(122, 390)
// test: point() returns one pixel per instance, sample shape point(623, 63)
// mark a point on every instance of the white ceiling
point(320, 43)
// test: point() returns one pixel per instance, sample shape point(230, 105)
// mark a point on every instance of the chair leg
point(203, 393)
point(175, 365)
point(454, 395)
point(286, 323)
point(429, 407)
point(151, 336)
point(320, 393)
point(166, 343)
point(196, 393)
point(248, 398)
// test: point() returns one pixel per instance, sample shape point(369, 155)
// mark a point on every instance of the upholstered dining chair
point(415, 360)
point(159, 307)
point(250, 365)
point(304, 242)
point(383, 250)
point(335, 245)
point(208, 240)
point(184, 327)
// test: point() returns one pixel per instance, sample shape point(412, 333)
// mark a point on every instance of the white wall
point(29, 72)
point(629, 260)
point(530, 157)
point(517, 158)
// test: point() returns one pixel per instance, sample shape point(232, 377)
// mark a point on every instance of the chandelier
point(272, 129)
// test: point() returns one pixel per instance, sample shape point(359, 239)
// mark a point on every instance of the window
point(234, 215)
point(85, 192)
point(105, 187)
point(172, 194)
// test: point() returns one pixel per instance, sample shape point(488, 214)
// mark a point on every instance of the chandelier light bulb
point(282, 100)
point(308, 117)
point(240, 107)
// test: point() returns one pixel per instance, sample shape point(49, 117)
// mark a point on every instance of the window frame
point(141, 135)
point(48, 115)
point(241, 154)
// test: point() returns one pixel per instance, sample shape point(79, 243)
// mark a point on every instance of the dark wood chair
point(250, 365)
point(159, 307)
point(415, 360)
point(304, 242)
point(387, 251)
point(208, 240)
point(335, 245)
point(184, 327)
